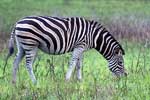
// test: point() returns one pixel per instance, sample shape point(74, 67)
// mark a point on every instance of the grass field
point(98, 82)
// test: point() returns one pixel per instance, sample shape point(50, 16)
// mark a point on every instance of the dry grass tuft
point(131, 28)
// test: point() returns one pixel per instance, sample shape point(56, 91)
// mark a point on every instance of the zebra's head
point(110, 48)
point(116, 63)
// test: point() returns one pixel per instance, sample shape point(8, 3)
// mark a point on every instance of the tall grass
point(98, 82)
point(130, 28)
point(127, 20)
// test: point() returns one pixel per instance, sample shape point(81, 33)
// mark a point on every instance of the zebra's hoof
point(79, 80)
point(67, 80)
point(13, 82)
point(35, 82)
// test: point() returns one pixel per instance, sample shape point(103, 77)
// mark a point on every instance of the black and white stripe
point(55, 35)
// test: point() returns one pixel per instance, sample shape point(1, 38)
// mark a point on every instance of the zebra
point(55, 35)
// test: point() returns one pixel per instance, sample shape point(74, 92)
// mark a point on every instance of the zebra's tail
point(11, 48)
point(11, 43)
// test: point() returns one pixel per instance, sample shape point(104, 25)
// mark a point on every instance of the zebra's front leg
point(76, 55)
point(30, 56)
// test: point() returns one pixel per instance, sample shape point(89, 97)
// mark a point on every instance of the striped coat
point(54, 35)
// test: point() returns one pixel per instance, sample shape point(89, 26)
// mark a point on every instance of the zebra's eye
point(116, 51)
point(120, 62)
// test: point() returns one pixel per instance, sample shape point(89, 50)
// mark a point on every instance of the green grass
point(98, 82)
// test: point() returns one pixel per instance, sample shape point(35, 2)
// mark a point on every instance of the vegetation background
point(127, 20)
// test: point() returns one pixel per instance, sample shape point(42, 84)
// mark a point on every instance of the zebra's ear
point(123, 52)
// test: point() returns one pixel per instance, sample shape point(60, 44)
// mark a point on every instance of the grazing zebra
point(55, 35)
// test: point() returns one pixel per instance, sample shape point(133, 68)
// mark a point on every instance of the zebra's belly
point(51, 50)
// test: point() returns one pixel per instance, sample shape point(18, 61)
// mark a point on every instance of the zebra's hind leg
point(30, 56)
point(19, 56)
point(78, 67)
point(76, 55)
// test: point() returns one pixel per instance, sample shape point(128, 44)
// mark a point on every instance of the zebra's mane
point(100, 25)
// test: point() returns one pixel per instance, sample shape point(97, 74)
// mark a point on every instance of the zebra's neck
point(104, 42)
